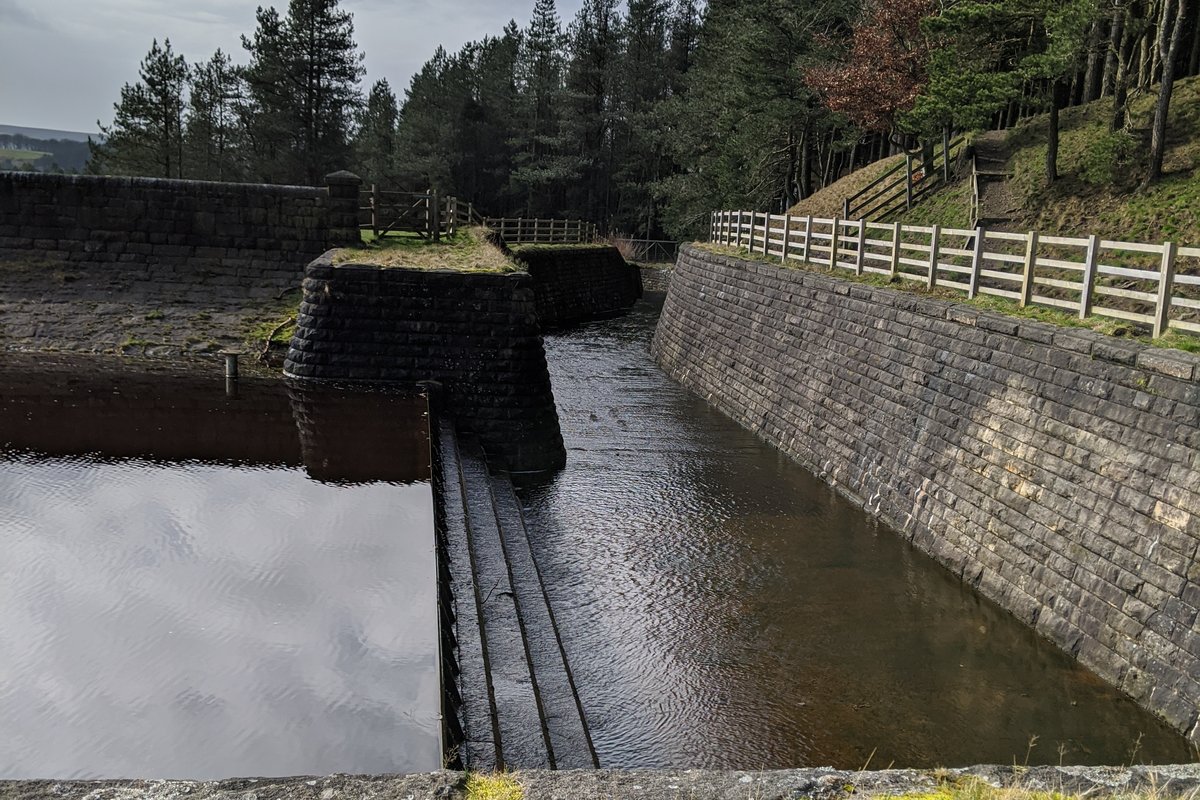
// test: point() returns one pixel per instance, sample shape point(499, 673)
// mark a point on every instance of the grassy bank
point(1174, 339)
point(1100, 187)
point(468, 250)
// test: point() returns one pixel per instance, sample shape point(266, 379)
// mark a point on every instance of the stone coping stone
point(641, 784)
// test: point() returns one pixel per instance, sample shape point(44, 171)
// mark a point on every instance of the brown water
point(200, 585)
point(723, 608)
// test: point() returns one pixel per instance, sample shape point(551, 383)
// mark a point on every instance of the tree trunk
point(1170, 33)
point(806, 162)
point(1194, 59)
point(1057, 90)
point(1092, 75)
point(1121, 82)
point(1116, 37)
point(793, 168)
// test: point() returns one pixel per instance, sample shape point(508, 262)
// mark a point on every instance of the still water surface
point(723, 608)
point(190, 587)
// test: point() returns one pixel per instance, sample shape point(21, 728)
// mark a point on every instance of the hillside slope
point(1099, 189)
point(827, 202)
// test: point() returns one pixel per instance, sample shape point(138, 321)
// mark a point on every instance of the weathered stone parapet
point(1164, 782)
point(1057, 470)
point(576, 284)
point(476, 334)
point(249, 234)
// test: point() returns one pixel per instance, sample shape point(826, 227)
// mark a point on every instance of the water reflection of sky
point(197, 620)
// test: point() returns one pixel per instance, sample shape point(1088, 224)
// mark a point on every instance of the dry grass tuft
point(493, 787)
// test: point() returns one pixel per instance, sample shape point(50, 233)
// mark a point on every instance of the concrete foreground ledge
point(1166, 781)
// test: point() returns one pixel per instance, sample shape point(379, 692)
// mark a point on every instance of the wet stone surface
point(90, 308)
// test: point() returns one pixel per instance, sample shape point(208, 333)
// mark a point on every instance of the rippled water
point(179, 598)
point(723, 608)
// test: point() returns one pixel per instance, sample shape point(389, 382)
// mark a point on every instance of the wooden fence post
point(787, 238)
point(433, 218)
point(807, 236)
point(946, 154)
point(767, 233)
point(1166, 281)
point(1027, 275)
point(1089, 276)
point(750, 245)
point(908, 183)
point(846, 208)
point(894, 267)
point(862, 247)
point(375, 209)
point(834, 242)
point(934, 251)
point(976, 262)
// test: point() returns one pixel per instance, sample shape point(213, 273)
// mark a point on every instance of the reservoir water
point(202, 584)
point(721, 607)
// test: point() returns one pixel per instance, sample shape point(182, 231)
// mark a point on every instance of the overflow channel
point(722, 607)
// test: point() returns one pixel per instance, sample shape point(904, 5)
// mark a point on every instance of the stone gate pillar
point(343, 190)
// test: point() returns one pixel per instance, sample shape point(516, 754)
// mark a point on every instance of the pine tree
point(375, 139)
point(591, 78)
point(540, 168)
point(750, 130)
point(426, 126)
point(644, 86)
point(145, 137)
point(302, 90)
point(212, 129)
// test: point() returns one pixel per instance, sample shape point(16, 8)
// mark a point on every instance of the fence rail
point(427, 214)
point(542, 231)
point(646, 251)
point(432, 215)
point(1157, 285)
point(883, 197)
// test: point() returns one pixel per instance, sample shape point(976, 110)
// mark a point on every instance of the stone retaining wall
point(576, 284)
point(239, 234)
point(476, 334)
point(1055, 469)
point(655, 279)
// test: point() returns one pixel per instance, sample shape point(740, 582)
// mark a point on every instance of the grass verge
point(1175, 340)
point(467, 251)
point(972, 788)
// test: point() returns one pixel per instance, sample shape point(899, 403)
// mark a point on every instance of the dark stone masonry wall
point(576, 284)
point(234, 233)
point(1057, 470)
point(655, 279)
point(476, 334)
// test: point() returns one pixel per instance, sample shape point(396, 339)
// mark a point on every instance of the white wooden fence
point(1157, 285)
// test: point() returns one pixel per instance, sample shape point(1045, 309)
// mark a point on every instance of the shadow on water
point(198, 584)
point(724, 608)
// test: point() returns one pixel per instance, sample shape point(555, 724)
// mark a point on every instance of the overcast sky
point(62, 62)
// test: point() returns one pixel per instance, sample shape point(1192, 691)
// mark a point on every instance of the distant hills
point(46, 133)
point(43, 149)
